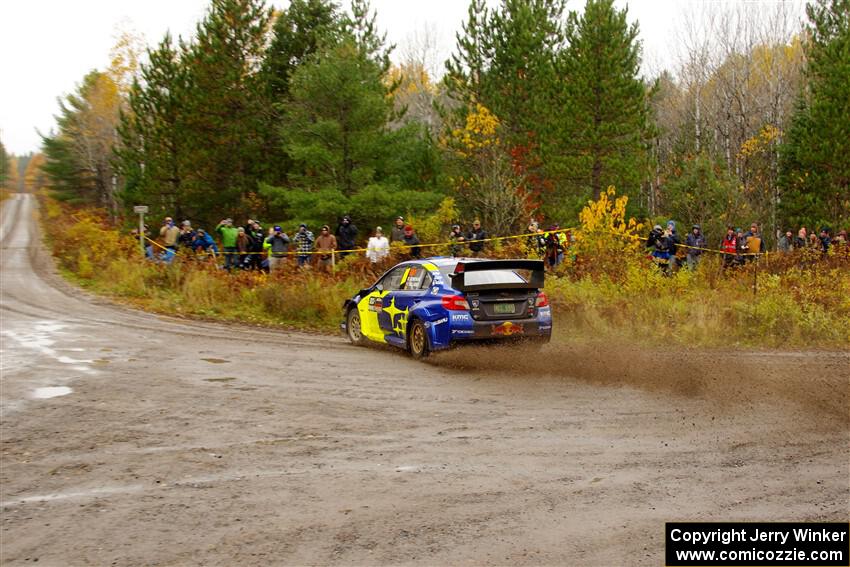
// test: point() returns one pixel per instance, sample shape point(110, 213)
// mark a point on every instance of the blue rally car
point(432, 304)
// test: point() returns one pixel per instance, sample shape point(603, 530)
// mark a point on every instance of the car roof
point(442, 261)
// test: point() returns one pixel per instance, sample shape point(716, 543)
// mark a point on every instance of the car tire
point(353, 327)
point(417, 342)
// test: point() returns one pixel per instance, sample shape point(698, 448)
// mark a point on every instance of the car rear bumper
point(487, 330)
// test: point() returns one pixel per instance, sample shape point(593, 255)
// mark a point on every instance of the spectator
point(786, 242)
point(397, 234)
point(228, 242)
point(169, 233)
point(841, 238)
point(695, 241)
point(814, 242)
point(753, 243)
point(663, 247)
point(205, 242)
point(801, 241)
point(304, 244)
point(673, 243)
point(456, 238)
point(729, 246)
point(243, 246)
point(536, 241)
point(741, 250)
point(187, 235)
point(378, 247)
point(479, 234)
point(346, 235)
point(825, 240)
point(411, 241)
point(255, 232)
point(325, 245)
point(654, 235)
point(555, 245)
point(278, 246)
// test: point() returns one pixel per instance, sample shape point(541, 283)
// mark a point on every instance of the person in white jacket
point(378, 247)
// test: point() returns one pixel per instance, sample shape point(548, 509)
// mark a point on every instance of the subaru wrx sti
point(436, 303)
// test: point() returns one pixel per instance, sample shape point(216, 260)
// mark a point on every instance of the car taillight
point(455, 303)
point(542, 300)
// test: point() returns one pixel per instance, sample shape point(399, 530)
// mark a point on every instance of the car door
point(399, 301)
point(374, 322)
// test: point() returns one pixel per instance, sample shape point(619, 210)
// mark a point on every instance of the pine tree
point(815, 171)
point(152, 155)
point(372, 44)
point(505, 61)
point(604, 104)
point(335, 122)
point(298, 32)
point(466, 67)
point(224, 110)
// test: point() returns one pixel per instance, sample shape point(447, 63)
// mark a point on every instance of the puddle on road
point(223, 379)
point(215, 360)
point(51, 392)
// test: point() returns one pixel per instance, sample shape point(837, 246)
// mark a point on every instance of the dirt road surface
point(134, 439)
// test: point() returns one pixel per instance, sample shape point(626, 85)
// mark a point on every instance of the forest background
point(298, 116)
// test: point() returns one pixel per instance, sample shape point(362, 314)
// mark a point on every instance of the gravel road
point(134, 439)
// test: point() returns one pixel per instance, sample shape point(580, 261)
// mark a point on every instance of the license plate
point(504, 308)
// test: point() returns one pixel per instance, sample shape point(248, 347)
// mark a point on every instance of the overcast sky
point(47, 46)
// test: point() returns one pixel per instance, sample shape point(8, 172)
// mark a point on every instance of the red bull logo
point(507, 329)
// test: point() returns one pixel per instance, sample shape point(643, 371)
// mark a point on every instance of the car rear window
point(487, 277)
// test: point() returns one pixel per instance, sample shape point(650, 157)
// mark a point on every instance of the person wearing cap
point(555, 243)
point(479, 234)
point(346, 235)
point(325, 245)
point(303, 244)
point(695, 242)
point(169, 233)
point(277, 244)
point(205, 242)
point(397, 234)
point(661, 246)
point(729, 247)
point(228, 234)
point(677, 254)
point(456, 237)
point(378, 247)
point(411, 240)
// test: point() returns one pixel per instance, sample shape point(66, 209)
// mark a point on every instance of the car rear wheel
point(353, 327)
point(418, 340)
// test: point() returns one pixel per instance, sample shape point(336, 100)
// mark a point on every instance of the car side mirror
point(379, 287)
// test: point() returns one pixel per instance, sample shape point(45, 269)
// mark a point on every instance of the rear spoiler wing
point(536, 267)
